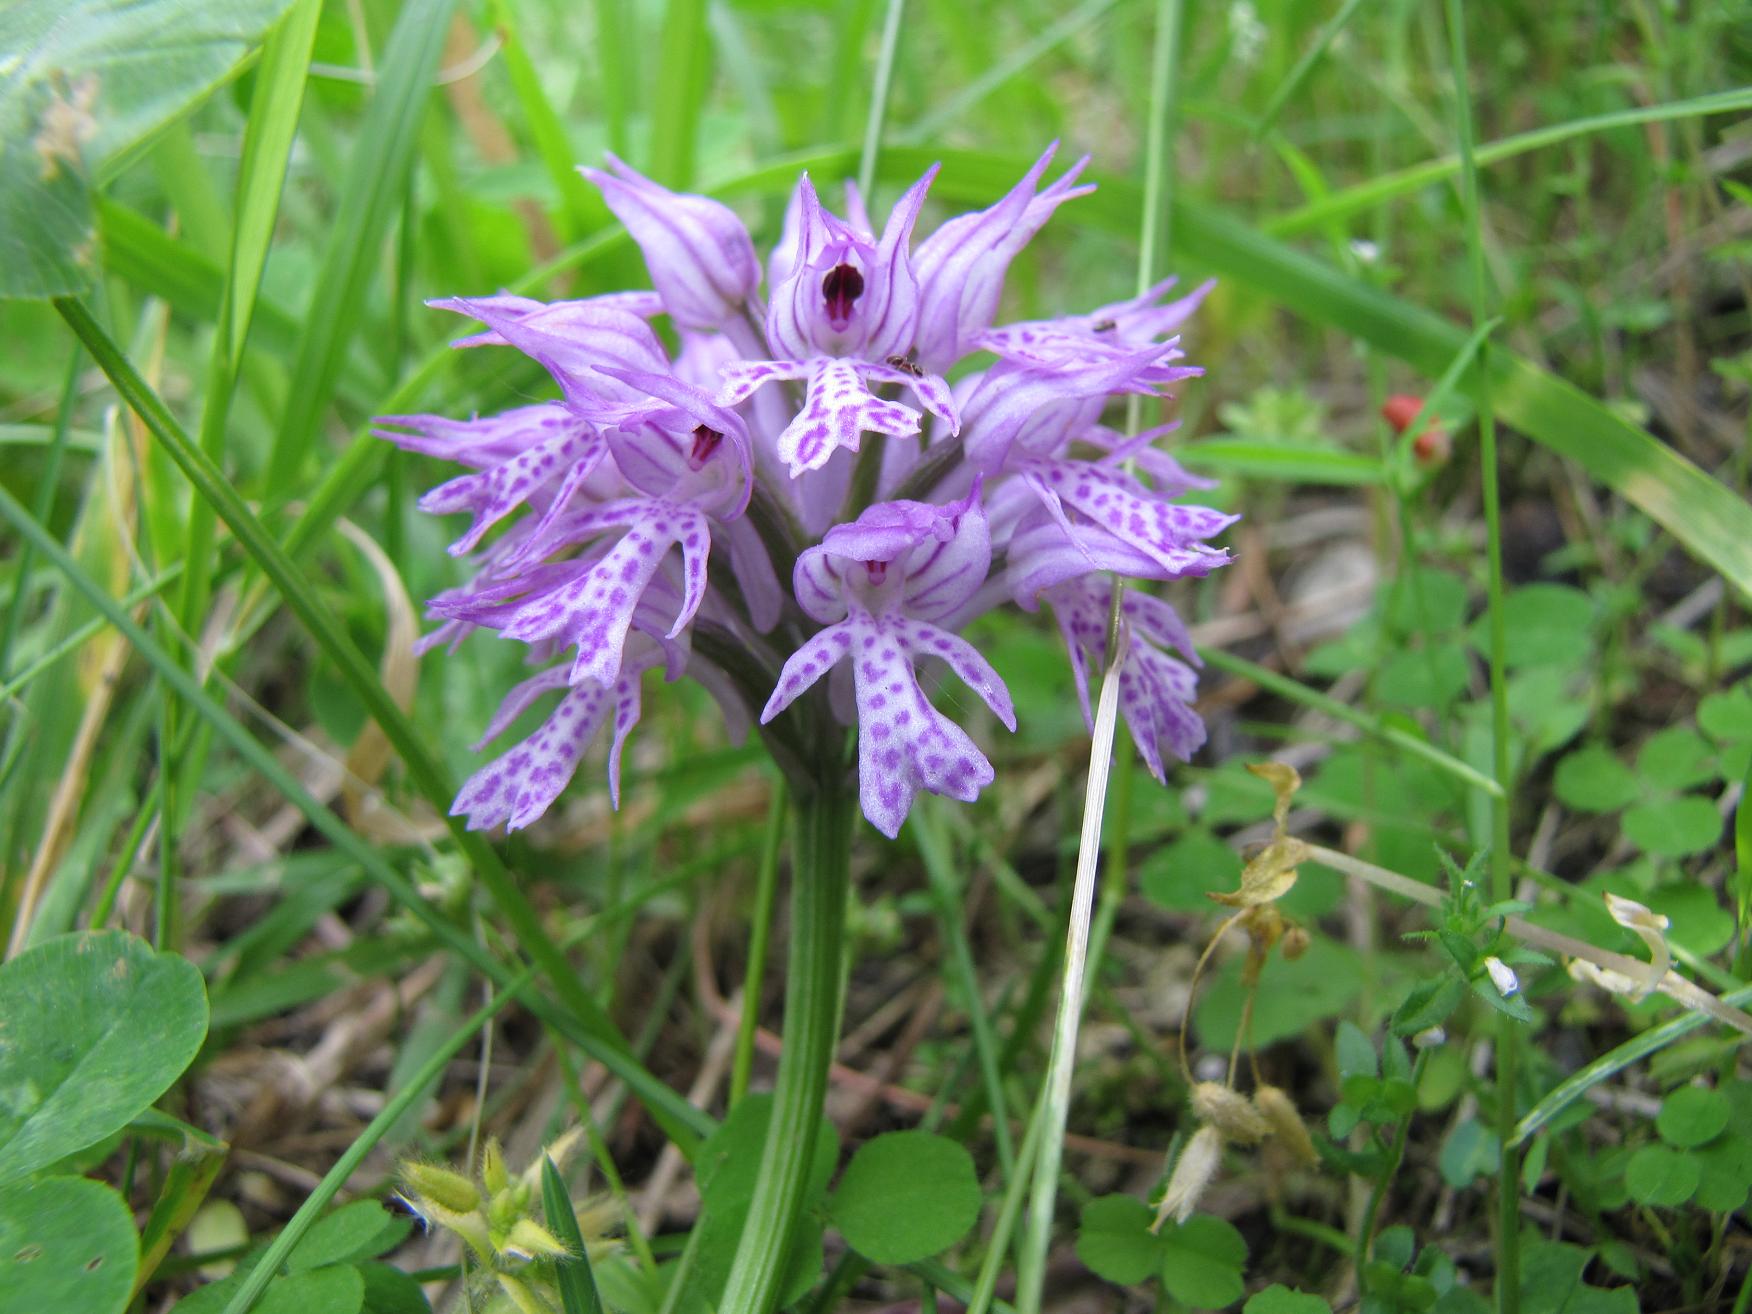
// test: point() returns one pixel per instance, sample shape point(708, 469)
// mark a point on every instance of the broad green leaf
point(338, 1289)
point(1279, 1299)
point(906, 1196)
point(1700, 923)
point(66, 1243)
point(1726, 1175)
point(1201, 1263)
point(361, 1230)
point(1181, 875)
point(1674, 827)
point(1469, 1150)
point(94, 1027)
point(1356, 1052)
point(1676, 758)
point(1727, 717)
point(1692, 1115)
point(1115, 1241)
point(1657, 1175)
point(1292, 995)
point(1592, 779)
point(1548, 625)
point(82, 81)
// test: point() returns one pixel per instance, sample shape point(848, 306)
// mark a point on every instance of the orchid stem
point(820, 874)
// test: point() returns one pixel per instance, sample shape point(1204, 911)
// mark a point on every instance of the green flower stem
point(820, 874)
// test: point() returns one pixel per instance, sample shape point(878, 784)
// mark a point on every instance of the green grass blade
point(261, 175)
point(1390, 186)
point(955, 109)
point(79, 637)
point(376, 182)
point(581, 208)
point(267, 147)
point(572, 1275)
point(336, 1177)
point(683, 68)
point(1294, 691)
point(871, 153)
point(1283, 462)
point(615, 30)
point(927, 825)
point(1304, 65)
point(45, 505)
point(1614, 1061)
point(678, 1118)
point(331, 827)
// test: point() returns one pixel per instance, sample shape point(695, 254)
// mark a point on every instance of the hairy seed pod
point(1230, 1112)
point(1193, 1171)
point(1287, 1126)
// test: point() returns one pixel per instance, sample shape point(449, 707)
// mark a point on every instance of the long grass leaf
point(1303, 66)
point(683, 67)
point(564, 1020)
point(1390, 186)
point(679, 1119)
point(375, 184)
point(572, 1274)
point(581, 209)
point(261, 175)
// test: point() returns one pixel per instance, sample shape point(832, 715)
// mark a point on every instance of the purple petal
point(698, 252)
point(904, 743)
point(961, 266)
point(1164, 531)
point(519, 786)
point(922, 639)
point(493, 494)
point(571, 339)
point(808, 664)
point(837, 413)
point(480, 442)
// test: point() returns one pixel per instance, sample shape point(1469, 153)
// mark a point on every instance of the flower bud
point(1193, 1171)
point(1295, 943)
point(701, 260)
point(445, 1187)
point(494, 1174)
point(1502, 976)
point(528, 1239)
point(1286, 1124)
point(1230, 1112)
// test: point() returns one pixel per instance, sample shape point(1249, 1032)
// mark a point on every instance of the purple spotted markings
point(657, 501)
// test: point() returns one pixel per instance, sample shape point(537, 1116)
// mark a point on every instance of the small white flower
point(1502, 976)
point(1652, 927)
point(1368, 252)
point(1429, 1038)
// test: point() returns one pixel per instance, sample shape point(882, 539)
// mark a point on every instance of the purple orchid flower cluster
point(664, 495)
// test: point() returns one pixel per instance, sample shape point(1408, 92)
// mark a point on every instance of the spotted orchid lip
point(682, 475)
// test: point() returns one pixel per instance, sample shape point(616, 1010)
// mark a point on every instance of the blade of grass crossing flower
point(1390, 186)
point(1303, 66)
point(1055, 1095)
point(267, 147)
point(683, 67)
point(676, 1110)
point(423, 769)
point(259, 1276)
point(945, 893)
point(375, 183)
point(572, 1274)
point(1508, 1039)
point(872, 149)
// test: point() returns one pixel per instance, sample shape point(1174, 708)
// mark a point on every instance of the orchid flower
point(645, 518)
